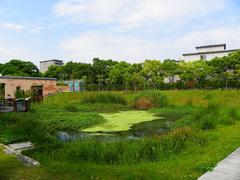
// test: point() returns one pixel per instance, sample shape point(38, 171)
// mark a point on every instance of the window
point(203, 57)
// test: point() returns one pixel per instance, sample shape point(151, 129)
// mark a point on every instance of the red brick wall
point(49, 86)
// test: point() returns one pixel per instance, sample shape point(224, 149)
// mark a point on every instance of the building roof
point(210, 46)
point(56, 60)
point(211, 52)
point(27, 78)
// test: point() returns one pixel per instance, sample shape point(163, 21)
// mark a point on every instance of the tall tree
point(152, 72)
point(170, 69)
point(19, 68)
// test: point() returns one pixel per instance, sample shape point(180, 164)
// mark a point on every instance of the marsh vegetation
point(180, 135)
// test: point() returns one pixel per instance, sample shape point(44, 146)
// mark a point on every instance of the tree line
point(102, 74)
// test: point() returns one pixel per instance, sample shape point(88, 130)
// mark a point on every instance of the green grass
point(205, 130)
point(104, 97)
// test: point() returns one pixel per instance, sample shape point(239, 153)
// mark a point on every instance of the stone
point(16, 149)
point(21, 146)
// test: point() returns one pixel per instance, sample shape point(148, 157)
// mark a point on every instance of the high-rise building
point(45, 64)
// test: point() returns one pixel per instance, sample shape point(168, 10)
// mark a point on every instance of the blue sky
point(131, 30)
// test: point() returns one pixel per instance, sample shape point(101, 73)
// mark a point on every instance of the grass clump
point(104, 97)
point(150, 99)
point(21, 128)
point(70, 108)
point(208, 117)
point(129, 152)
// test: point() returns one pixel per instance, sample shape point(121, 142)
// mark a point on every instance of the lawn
point(204, 130)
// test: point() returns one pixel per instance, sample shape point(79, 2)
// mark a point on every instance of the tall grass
point(14, 128)
point(104, 97)
point(127, 152)
point(150, 99)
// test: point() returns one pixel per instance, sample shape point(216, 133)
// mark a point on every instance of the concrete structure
point(168, 80)
point(75, 85)
point(208, 52)
point(45, 64)
point(228, 169)
point(16, 149)
point(40, 86)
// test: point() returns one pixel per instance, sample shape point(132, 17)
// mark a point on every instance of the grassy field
point(205, 130)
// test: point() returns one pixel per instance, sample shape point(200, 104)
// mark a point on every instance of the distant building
point(40, 86)
point(208, 52)
point(45, 64)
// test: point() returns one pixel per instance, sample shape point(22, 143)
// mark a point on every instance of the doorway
point(2, 91)
point(37, 93)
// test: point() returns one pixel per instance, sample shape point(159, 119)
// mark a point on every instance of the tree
point(100, 81)
point(152, 72)
point(119, 74)
point(170, 69)
point(19, 68)
point(55, 72)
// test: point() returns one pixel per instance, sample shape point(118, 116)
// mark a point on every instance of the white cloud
point(12, 26)
point(32, 29)
point(134, 13)
point(136, 49)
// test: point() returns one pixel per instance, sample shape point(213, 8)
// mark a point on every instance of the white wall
point(191, 57)
point(208, 56)
point(219, 48)
point(44, 65)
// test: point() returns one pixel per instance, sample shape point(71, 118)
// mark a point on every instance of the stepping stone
point(228, 169)
point(21, 146)
point(16, 149)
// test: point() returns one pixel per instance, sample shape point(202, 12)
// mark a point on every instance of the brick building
point(40, 86)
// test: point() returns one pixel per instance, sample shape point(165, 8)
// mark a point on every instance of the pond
point(127, 125)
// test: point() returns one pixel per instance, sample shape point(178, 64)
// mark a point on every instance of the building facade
point(208, 52)
point(40, 86)
point(45, 64)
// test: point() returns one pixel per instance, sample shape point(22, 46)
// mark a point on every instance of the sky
point(129, 30)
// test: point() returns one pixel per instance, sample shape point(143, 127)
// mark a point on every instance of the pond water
point(127, 125)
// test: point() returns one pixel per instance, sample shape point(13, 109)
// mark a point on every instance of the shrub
point(20, 93)
point(104, 97)
point(150, 99)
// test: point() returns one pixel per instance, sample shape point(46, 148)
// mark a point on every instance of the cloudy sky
point(131, 30)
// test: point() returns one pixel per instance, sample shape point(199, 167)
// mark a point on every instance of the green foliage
point(208, 117)
point(183, 153)
point(20, 93)
point(128, 152)
point(150, 99)
point(104, 97)
point(19, 68)
point(71, 108)
point(220, 72)
point(21, 128)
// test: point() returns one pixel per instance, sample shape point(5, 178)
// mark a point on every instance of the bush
point(150, 99)
point(20, 93)
point(104, 97)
